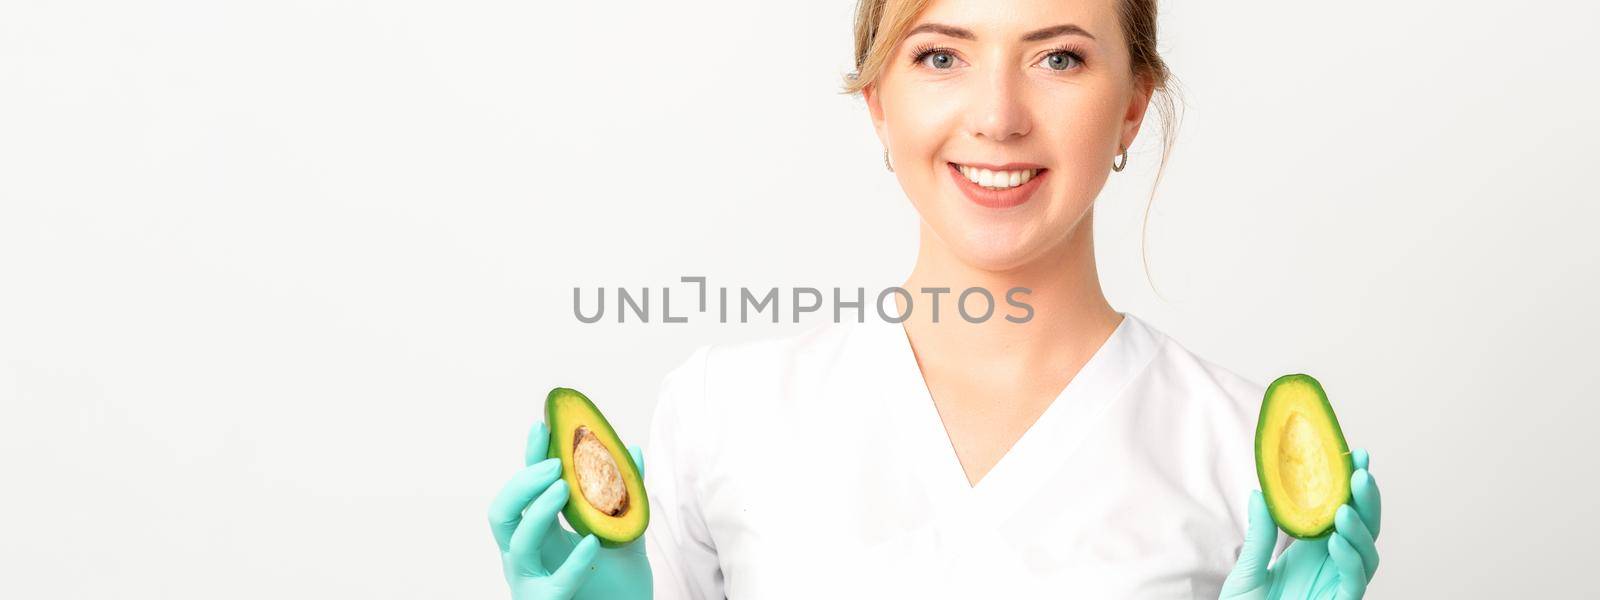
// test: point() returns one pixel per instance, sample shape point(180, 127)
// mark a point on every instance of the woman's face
point(1035, 92)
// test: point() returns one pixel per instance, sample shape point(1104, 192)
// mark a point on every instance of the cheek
point(919, 127)
point(1080, 150)
point(919, 124)
point(1083, 138)
point(1084, 125)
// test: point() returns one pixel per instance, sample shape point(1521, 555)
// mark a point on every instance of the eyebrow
point(1032, 36)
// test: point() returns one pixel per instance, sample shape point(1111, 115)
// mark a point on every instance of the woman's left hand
point(531, 538)
point(1338, 566)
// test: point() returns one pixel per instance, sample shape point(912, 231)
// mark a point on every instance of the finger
point(538, 444)
point(1259, 539)
point(1352, 575)
point(505, 512)
point(1350, 527)
point(578, 566)
point(638, 458)
point(1368, 502)
point(1360, 457)
point(535, 524)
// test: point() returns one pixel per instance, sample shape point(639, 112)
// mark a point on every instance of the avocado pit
point(599, 479)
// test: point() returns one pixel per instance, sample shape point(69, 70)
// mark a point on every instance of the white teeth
point(997, 179)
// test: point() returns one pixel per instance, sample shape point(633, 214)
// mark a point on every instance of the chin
point(997, 248)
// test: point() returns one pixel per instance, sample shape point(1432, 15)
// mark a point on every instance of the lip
point(1005, 198)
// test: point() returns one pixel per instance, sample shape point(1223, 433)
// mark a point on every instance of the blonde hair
point(882, 24)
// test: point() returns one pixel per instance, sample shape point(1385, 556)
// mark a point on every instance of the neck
point(1071, 317)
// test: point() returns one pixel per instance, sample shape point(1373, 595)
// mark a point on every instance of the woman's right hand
point(523, 519)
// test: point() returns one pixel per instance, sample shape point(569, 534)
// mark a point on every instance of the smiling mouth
point(996, 180)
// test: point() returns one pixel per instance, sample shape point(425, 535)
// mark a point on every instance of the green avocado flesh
point(1301, 457)
point(607, 495)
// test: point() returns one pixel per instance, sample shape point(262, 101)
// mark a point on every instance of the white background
point(282, 284)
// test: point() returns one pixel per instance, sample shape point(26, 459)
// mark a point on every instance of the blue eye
point(937, 59)
point(1062, 60)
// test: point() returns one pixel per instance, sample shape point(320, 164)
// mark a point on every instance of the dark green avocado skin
point(569, 397)
point(1270, 492)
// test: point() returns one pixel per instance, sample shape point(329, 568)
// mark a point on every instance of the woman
point(1080, 454)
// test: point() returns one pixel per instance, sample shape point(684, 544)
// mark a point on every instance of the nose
point(998, 108)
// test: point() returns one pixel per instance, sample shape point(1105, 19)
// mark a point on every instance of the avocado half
point(607, 494)
point(1301, 457)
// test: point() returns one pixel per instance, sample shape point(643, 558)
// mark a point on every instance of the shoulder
point(1203, 414)
point(745, 395)
point(1206, 416)
point(811, 349)
point(1198, 384)
point(761, 359)
point(746, 375)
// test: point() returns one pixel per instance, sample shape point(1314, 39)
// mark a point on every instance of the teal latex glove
point(1337, 566)
point(523, 518)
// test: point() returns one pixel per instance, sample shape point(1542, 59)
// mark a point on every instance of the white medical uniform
point(816, 466)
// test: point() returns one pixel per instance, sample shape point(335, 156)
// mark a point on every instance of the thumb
point(638, 458)
point(1250, 571)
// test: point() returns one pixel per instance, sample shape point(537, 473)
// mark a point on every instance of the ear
point(875, 109)
point(1138, 103)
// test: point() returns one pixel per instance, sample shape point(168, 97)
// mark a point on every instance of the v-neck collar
point(1045, 445)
